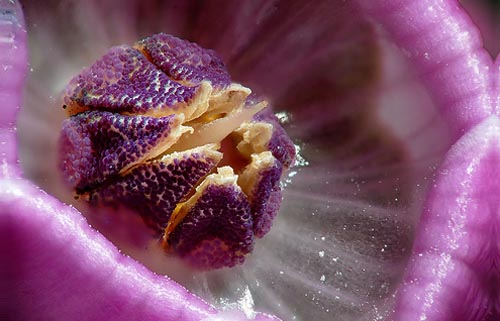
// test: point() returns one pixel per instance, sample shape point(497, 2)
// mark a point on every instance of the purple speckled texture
point(217, 231)
point(280, 145)
point(266, 198)
point(185, 61)
point(96, 145)
point(123, 80)
point(267, 213)
point(155, 188)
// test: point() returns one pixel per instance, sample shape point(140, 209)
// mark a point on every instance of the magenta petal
point(446, 49)
point(454, 271)
point(61, 269)
point(453, 274)
point(13, 66)
point(155, 199)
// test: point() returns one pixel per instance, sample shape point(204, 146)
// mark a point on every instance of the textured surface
point(185, 61)
point(66, 270)
point(76, 265)
point(265, 198)
point(98, 145)
point(114, 150)
point(280, 144)
point(217, 230)
point(125, 81)
point(453, 273)
point(155, 188)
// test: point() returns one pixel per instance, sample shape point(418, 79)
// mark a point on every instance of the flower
point(363, 120)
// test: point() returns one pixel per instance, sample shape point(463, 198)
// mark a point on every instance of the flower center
point(160, 128)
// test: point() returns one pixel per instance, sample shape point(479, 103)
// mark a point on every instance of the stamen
point(161, 129)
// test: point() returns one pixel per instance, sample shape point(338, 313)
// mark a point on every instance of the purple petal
point(457, 73)
point(67, 261)
point(13, 62)
point(453, 274)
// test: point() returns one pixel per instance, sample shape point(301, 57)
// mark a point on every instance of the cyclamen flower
point(391, 213)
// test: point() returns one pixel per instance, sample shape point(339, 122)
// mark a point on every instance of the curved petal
point(446, 49)
point(13, 63)
point(485, 14)
point(88, 274)
point(454, 272)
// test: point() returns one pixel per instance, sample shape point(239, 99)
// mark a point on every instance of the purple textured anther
point(97, 145)
point(280, 143)
point(154, 189)
point(145, 132)
point(185, 61)
point(217, 231)
point(124, 81)
point(266, 198)
point(264, 218)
